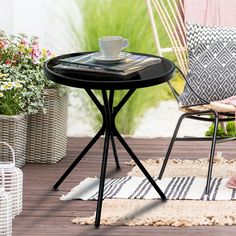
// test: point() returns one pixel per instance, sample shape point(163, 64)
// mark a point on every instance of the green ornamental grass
point(128, 18)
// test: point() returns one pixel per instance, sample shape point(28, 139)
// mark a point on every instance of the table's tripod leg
point(107, 122)
point(115, 152)
point(140, 165)
point(111, 101)
point(79, 158)
point(102, 180)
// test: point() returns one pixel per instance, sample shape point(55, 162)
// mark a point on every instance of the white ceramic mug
point(111, 46)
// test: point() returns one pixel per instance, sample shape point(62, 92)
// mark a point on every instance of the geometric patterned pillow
point(212, 63)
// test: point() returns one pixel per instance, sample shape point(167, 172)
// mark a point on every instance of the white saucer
point(98, 57)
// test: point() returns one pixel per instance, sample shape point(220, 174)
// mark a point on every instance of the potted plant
point(22, 58)
point(13, 116)
point(47, 130)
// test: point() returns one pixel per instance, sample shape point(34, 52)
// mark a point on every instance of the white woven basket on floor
point(5, 213)
point(11, 178)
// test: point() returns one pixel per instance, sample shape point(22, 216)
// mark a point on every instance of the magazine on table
point(132, 63)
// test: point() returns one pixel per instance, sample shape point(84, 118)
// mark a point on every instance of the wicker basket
point(11, 178)
point(47, 133)
point(5, 213)
point(13, 130)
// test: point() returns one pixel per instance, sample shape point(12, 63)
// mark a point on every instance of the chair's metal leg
point(171, 146)
point(210, 165)
point(114, 151)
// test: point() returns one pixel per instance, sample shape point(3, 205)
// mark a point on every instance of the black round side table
point(108, 83)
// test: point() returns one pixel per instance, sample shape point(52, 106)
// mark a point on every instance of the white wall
point(6, 15)
point(46, 19)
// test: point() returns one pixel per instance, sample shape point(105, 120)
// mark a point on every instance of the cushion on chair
point(212, 63)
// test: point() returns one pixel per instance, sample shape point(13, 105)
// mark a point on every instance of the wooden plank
point(44, 214)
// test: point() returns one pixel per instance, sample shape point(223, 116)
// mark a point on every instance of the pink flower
point(24, 41)
point(49, 53)
point(3, 44)
point(35, 52)
point(8, 62)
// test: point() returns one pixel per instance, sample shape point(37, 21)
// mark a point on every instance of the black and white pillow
point(212, 63)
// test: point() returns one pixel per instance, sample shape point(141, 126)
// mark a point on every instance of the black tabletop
point(152, 75)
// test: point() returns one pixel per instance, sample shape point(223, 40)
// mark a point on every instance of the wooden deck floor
point(44, 214)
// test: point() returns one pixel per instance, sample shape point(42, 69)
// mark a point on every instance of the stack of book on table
point(88, 62)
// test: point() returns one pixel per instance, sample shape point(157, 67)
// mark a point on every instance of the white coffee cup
point(111, 46)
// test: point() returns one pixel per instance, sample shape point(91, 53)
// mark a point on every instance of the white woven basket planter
point(13, 130)
point(47, 133)
point(5, 213)
point(11, 178)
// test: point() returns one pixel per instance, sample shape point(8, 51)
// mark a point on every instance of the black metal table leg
point(79, 158)
point(111, 101)
point(109, 128)
point(126, 146)
point(114, 151)
point(140, 165)
point(107, 121)
point(90, 144)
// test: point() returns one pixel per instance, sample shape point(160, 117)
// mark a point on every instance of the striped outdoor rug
point(131, 187)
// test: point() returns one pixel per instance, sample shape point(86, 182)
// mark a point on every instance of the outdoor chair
point(205, 58)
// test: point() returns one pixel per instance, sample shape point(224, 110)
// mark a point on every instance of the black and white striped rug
point(131, 187)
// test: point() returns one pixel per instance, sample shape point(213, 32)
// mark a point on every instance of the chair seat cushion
point(215, 106)
point(212, 63)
